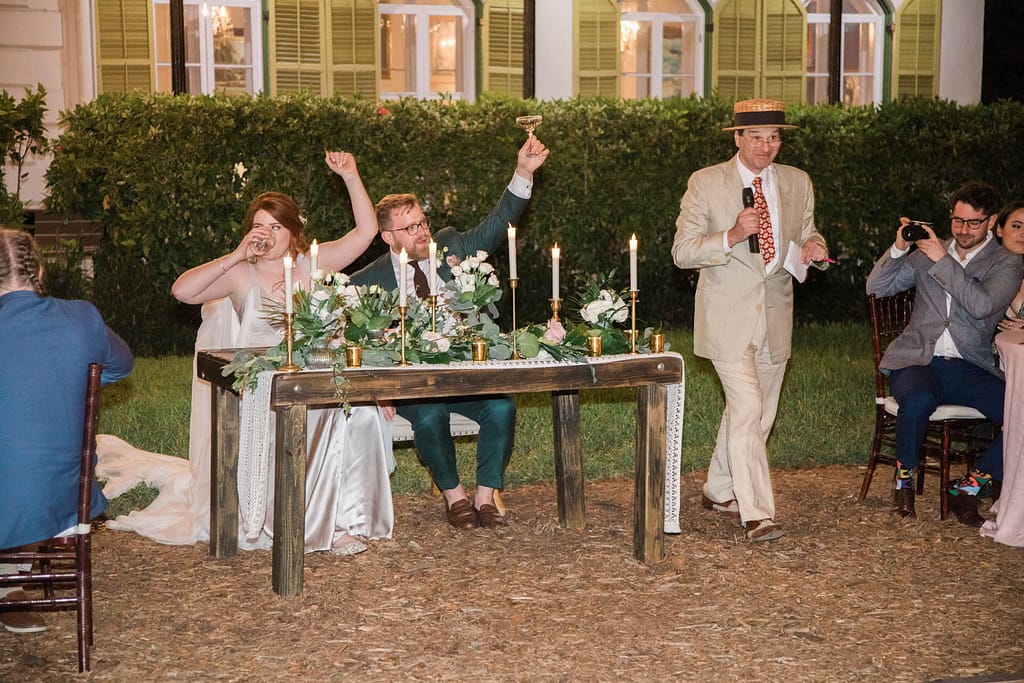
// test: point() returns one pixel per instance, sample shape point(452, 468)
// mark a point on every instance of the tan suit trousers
point(739, 465)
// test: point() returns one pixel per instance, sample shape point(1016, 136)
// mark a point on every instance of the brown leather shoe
point(965, 508)
point(21, 622)
point(461, 514)
point(903, 503)
point(490, 517)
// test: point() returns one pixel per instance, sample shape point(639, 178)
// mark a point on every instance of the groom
point(403, 225)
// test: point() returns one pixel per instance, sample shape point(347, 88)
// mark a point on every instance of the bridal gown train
point(349, 459)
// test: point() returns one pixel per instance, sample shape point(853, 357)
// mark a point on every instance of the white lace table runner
point(254, 457)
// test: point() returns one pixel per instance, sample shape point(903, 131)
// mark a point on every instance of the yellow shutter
point(503, 47)
point(124, 50)
point(353, 48)
point(784, 70)
point(735, 58)
point(597, 48)
point(760, 49)
point(296, 54)
point(916, 50)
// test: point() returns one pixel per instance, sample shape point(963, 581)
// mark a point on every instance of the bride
point(348, 492)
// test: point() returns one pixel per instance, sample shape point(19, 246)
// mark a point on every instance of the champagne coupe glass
point(259, 246)
point(529, 122)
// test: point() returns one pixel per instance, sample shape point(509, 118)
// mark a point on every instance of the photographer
point(963, 287)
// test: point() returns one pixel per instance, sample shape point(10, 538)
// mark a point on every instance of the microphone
point(748, 203)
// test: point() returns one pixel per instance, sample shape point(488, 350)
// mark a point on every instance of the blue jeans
point(919, 389)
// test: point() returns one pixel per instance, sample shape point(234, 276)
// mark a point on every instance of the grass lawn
point(825, 415)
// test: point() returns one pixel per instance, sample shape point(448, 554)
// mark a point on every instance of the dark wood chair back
point(62, 566)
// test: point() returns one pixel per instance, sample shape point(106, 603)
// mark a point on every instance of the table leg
point(223, 473)
point(289, 500)
point(649, 494)
point(565, 409)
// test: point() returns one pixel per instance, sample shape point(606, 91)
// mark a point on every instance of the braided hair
point(20, 262)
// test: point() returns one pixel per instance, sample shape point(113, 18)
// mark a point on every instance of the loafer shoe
point(461, 514)
point(490, 517)
point(763, 530)
point(903, 503)
point(731, 508)
point(965, 508)
point(21, 622)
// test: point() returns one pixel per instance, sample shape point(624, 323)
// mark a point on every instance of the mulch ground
point(850, 593)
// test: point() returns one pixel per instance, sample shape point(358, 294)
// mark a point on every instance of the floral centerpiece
point(334, 314)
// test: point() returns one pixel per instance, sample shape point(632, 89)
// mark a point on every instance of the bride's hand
point(342, 163)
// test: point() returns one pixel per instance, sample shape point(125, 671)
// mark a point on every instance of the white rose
point(593, 311)
point(438, 340)
point(481, 255)
point(486, 268)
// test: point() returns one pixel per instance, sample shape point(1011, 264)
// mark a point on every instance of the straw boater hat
point(758, 114)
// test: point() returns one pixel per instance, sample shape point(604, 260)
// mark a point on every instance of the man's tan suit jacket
point(733, 287)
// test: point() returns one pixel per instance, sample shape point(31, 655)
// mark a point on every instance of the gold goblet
point(529, 122)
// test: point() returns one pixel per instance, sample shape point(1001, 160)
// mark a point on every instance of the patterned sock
point(971, 484)
point(904, 476)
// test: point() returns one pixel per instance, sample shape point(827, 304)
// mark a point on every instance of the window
point(222, 47)
point(661, 49)
point(860, 52)
point(426, 49)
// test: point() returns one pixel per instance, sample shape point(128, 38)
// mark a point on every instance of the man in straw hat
point(738, 222)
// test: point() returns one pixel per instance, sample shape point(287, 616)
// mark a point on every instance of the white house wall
point(51, 42)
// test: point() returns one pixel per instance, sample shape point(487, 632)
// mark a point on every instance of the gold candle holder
point(432, 299)
point(479, 350)
point(555, 305)
point(289, 338)
point(594, 344)
point(402, 310)
point(353, 356)
point(658, 343)
point(632, 331)
point(513, 282)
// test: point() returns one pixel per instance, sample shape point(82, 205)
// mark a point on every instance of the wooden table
point(293, 393)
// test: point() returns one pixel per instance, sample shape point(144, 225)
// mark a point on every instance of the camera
point(914, 231)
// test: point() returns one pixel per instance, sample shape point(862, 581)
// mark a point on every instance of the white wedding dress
point(349, 459)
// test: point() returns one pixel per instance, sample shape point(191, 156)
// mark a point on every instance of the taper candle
point(433, 267)
point(288, 283)
point(314, 249)
point(511, 252)
point(556, 254)
point(403, 268)
point(632, 263)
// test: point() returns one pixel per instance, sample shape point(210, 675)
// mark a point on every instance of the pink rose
point(382, 111)
point(555, 332)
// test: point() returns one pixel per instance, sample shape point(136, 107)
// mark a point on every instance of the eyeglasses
point(759, 140)
point(414, 228)
point(972, 223)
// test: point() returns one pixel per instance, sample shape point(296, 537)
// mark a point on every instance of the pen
point(830, 260)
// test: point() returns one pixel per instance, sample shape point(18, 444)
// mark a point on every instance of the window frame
point(658, 20)
point(422, 13)
point(877, 58)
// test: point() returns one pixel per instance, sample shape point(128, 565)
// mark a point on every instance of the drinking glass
point(529, 122)
point(259, 247)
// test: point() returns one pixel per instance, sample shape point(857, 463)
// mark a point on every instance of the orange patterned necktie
point(764, 231)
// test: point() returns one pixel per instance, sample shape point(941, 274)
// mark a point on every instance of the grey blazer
point(980, 293)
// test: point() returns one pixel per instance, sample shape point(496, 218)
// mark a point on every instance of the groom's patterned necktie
point(764, 231)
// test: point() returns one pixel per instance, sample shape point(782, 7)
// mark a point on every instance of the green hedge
point(158, 171)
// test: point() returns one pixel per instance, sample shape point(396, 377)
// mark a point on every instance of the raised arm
point(220, 277)
point(337, 254)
